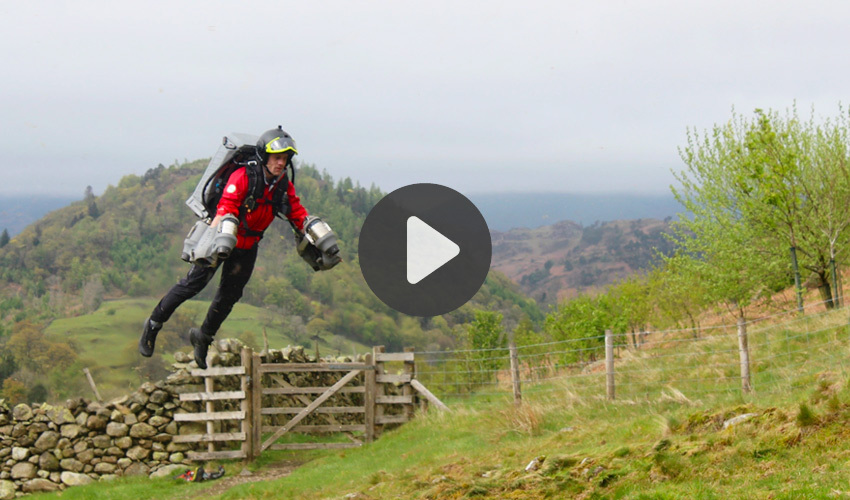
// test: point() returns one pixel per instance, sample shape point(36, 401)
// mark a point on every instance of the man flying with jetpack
point(245, 187)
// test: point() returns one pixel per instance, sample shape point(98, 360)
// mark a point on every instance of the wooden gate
point(281, 387)
point(385, 381)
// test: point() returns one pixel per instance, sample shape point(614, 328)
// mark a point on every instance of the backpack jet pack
point(205, 245)
point(236, 150)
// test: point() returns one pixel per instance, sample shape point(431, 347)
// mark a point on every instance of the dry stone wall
point(48, 448)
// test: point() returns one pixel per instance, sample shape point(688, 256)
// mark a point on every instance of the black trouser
point(235, 273)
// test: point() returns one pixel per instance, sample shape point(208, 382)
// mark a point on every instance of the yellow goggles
point(281, 145)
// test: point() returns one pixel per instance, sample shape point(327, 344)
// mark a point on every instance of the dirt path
point(271, 471)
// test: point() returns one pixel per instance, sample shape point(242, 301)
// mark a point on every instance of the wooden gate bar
point(329, 428)
point(325, 409)
point(204, 438)
point(218, 371)
point(215, 455)
point(319, 428)
point(212, 396)
point(384, 378)
point(394, 400)
point(395, 356)
point(306, 411)
point(314, 446)
point(310, 390)
point(428, 395)
point(206, 416)
point(312, 367)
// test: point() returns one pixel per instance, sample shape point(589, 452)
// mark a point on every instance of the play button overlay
point(425, 249)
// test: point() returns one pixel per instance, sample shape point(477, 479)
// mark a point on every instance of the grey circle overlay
point(383, 249)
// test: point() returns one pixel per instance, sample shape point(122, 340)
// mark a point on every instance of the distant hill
point(505, 211)
point(126, 243)
point(526, 234)
point(556, 262)
point(19, 211)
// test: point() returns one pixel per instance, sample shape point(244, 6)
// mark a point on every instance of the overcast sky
point(480, 96)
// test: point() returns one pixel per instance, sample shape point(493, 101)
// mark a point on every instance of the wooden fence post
point(515, 370)
point(406, 390)
point(209, 388)
point(369, 398)
point(91, 383)
point(744, 353)
point(256, 404)
point(247, 406)
point(379, 387)
point(609, 362)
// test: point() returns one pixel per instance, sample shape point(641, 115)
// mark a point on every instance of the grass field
point(107, 339)
point(663, 437)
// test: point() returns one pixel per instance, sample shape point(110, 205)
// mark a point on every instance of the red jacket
point(262, 216)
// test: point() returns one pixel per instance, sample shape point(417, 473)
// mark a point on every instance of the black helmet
point(275, 141)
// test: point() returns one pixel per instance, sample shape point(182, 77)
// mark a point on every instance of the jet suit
point(238, 267)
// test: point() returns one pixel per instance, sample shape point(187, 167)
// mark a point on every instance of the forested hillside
point(127, 243)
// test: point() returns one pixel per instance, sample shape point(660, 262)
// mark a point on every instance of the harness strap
point(250, 201)
point(255, 196)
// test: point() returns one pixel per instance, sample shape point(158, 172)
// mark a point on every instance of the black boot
point(148, 339)
point(201, 343)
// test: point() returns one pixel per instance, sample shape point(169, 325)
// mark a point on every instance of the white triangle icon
point(427, 250)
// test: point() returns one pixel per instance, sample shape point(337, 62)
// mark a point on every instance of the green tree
point(828, 182)
point(753, 190)
point(14, 391)
point(487, 344)
point(4, 238)
point(729, 260)
point(33, 351)
point(632, 301)
point(678, 298)
point(281, 293)
point(582, 322)
point(89, 197)
point(486, 331)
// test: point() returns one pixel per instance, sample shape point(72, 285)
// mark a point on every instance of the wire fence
point(764, 355)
